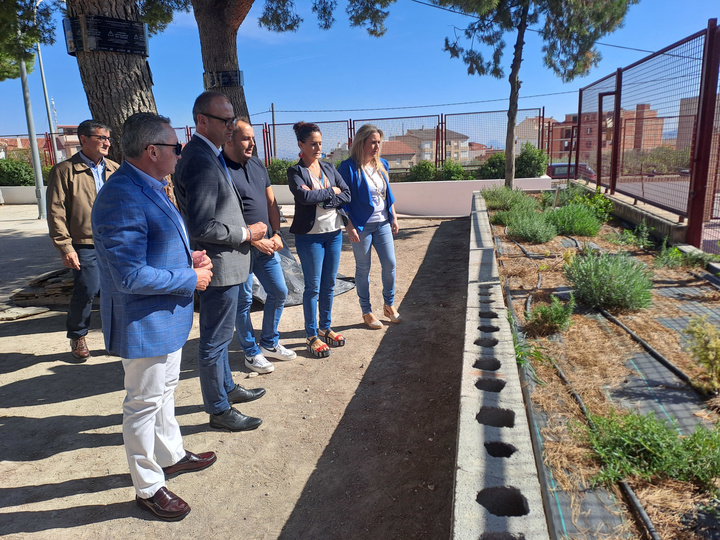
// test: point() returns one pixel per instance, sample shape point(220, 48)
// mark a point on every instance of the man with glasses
point(72, 187)
point(149, 274)
point(253, 182)
point(213, 211)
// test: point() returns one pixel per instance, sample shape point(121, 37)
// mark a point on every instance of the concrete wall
point(448, 199)
point(17, 195)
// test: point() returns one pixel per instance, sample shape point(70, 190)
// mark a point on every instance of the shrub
point(531, 163)
point(575, 218)
point(503, 198)
point(546, 320)
point(14, 172)
point(521, 204)
point(531, 227)
point(493, 168)
point(599, 203)
point(423, 171)
point(640, 237)
point(672, 257)
point(704, 344)
point(610, 281)
point(452, 171)
point(278, 170)
point(641, 446)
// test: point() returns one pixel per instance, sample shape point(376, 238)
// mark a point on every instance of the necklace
point(379, 186)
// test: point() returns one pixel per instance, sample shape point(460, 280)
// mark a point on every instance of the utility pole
point(39, 187)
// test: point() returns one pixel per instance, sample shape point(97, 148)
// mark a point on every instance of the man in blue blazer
point(213, 211)
point(147, 277)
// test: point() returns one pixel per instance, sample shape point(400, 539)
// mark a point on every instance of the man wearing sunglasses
point(148, 276)
point(72, 187)
point(213, 211)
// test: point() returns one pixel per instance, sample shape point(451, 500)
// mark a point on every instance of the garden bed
point(603, 364)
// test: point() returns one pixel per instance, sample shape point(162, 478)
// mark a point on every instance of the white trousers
point(150, 432)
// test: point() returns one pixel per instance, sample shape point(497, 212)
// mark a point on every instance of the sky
point(343, 73)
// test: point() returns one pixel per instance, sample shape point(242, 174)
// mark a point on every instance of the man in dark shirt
point(259, 205)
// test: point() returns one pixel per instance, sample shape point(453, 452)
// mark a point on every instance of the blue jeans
point(377, 235)
point(319, 257)
point(269, 272)
point(85, 288)
point(218, 307)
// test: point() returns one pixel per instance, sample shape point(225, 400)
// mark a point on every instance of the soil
point(593, 354)
point(358, 445)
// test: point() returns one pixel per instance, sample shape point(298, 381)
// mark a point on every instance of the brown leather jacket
point(70, 196)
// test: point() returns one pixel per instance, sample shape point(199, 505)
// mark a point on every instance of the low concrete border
point(497, 492)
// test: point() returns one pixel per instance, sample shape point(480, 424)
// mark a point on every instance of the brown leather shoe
point(165, 505)
point(79, 348)
point(190, 463)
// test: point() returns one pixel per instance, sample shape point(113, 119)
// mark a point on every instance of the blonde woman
point(319, 193)
point(372, 220)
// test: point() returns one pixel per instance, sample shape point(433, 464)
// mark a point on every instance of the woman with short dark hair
point(319, 193)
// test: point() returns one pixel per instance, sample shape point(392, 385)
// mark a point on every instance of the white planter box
point(18, 194)
point(448, 198)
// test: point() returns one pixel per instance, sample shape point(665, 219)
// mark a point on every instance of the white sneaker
point(259, 363)
point(278, 353)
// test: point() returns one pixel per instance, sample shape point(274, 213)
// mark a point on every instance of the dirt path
point(360, 445)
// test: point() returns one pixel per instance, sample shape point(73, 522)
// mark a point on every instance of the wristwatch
point(278, 232)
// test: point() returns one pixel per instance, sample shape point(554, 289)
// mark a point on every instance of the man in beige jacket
point(72, 188)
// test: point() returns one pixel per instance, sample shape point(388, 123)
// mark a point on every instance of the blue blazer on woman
point(306, 201)
point(361, 206)
point(146, 276)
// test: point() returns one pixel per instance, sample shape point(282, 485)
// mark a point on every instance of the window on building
point(426, 144)
point(589, 131)
point(398, 161)
point(568, 133)
point(427, 156)
point(464, 154)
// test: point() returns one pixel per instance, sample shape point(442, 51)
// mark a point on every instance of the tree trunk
point(117, 85)
point(514, 95)
point(218, 22)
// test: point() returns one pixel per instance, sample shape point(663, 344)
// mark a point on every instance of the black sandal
point(317, 348)
point(332, 338)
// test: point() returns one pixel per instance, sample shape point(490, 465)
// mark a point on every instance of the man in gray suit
point(212, 209)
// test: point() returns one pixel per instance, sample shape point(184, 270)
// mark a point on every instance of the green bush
point(520, 206)
point(600, 204)
point(531, 163)
point(424, 171)
point(546, 320)
point(504, 198)
point(14, 172)
point(639, 446)
point(452, 171)
point(672, 257)
point(278, 170)
point(576, 219)
point(531, 227)
point(493, 168)
point(610, 281)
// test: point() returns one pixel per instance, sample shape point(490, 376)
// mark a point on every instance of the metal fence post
point(698, 208)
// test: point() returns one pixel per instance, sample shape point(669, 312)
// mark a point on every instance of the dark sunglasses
point(178, 146)
point(229, 122)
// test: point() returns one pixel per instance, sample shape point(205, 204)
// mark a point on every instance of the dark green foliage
point(530, 227)
point(23, 24)
point(278, 170)
point(610, 281)
point(14, 172)
point(575, 219)
point(640, 237)
point(599, 203)
point(493, 168)
point(531, 163)
point(452, 171)
point(637, 446)
point(546, 320)
point(424, 171)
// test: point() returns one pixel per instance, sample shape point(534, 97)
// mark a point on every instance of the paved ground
point(360, 445)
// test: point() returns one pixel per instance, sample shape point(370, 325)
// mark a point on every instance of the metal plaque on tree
point(219, 79)
point(95, 33)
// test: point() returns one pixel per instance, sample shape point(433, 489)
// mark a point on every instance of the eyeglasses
point(101, 138)
point(229, 122)
point(177, 146)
